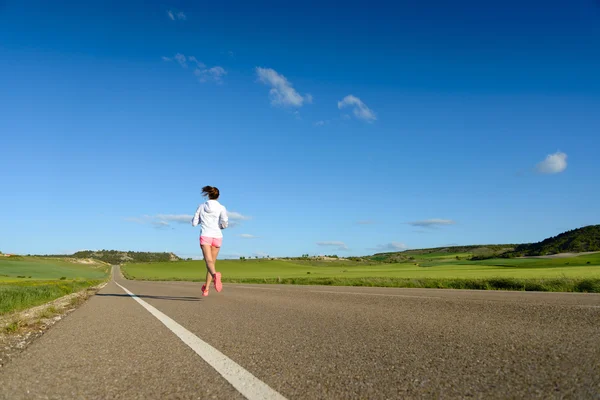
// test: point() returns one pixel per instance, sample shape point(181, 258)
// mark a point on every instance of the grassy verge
point(37, 268)
point(575, 274)
point(586, 285)
point(17, 296)
point(564, 284)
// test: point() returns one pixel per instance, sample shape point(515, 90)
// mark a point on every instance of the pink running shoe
point(218, 284)
point(204, 290)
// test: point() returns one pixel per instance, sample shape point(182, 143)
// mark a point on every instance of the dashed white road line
point(243, 381)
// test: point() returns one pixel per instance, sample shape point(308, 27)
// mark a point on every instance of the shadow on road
point(144, 296)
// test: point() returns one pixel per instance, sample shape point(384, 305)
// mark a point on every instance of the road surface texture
point(311, 342)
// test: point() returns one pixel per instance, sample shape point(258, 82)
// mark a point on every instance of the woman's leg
point(210, 263)
point(217, 277)
point(215, 253)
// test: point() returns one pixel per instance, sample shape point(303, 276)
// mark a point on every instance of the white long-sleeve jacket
point(212, 217)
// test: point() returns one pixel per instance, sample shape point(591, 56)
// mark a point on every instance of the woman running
point(212, 217)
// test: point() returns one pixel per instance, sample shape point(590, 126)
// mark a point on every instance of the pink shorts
point(211, 241)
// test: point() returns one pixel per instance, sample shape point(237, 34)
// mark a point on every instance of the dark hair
point(211, 192)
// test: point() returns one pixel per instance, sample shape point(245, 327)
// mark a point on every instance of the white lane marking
point(247, 384)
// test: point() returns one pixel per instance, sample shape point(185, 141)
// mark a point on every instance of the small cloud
point(308, 98)
point(282, 92)
point(231, 54)
point(360, 109)
point(553, 164)
point(260, 254)
point(181, 59)
point(236, 216)
point(321, 123)
point(176, 15)
point(215, 74)
point(203, 73)
point(179, 218)
point(247, 236)
point(161, 220)
point(338, 245)
point(430, 223)
point(198, 63)
point(164, 220)
point(393, 246)
point(160, 224)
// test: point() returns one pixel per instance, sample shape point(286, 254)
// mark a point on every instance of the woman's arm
point(196, 219)
point(223, 219)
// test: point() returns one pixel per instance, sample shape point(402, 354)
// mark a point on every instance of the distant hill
point(475, 250)
point(574, 241)
point(119, 257)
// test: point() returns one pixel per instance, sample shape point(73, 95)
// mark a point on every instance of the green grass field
point(31, 281)
point(37, 268)
point(432, 270)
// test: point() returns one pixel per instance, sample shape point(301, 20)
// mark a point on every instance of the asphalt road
point(311, 342)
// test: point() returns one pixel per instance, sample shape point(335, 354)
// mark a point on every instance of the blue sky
point(330, 128)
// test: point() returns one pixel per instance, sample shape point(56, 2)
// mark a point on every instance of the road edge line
point(243, 381)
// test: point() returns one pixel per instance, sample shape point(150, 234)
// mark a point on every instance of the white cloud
point(160, 224)
point(179, 15)
point(260, 254)
point(429, 223)
point(320, 123)
point(161, 220)
point(215, 74)
point(393, 246)
point(164, 220)
point(181, 59)
point(360, 109)
point(337, 244)
point(236, 216)
point(179, 218)
point(198, 63)
point(553, 164)
point(203, 73)
point(247, 236)
point(282, 93)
